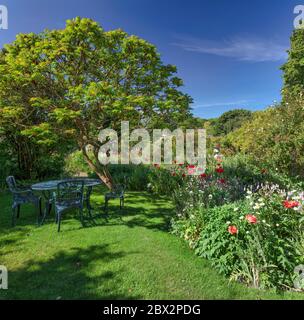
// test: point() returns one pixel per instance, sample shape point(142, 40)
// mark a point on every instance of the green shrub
point(264, 252)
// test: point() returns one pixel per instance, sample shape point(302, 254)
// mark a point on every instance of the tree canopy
point(230, 121)
point(61, 87)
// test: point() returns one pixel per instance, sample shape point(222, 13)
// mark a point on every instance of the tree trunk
point(101, 171)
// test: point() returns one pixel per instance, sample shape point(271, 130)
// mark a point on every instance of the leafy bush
point(257, 240)
point(75, 164)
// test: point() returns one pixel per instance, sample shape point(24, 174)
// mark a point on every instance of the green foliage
point(274, 138)
point(75, 165)
point(294, 68)
point(230, 121)
point(135, 177)
point(66, 85)
point(262, 254)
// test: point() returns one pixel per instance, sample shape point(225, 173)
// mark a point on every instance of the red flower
point(184, 175)
point(219, 170)
point(251, 218)
point(203, 176)
point(291, 204)
point(173, 174)
point(233, 230)
point(191, 167)
point(222, 181)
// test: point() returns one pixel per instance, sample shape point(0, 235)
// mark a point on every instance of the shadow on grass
point(73, 274)
point(140, 210)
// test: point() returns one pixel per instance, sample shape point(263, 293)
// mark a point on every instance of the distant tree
point(63, 86)
point(294, 68)
point(230, 121)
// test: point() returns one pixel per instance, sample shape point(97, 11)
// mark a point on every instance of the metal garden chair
point(117, 192)
point(22, 195)
point(70, 194)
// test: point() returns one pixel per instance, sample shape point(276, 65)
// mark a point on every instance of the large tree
point(64, 86)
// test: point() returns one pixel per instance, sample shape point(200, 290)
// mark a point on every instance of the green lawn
point(130, 255)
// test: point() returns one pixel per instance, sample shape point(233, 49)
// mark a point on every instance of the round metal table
point(48, 187)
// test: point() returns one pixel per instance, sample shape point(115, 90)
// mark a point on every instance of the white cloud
point(243, 49)
point(222, 104)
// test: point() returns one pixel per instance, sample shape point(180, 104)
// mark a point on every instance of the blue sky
point(228, 52)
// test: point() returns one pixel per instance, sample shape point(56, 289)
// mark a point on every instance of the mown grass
point(128, 255)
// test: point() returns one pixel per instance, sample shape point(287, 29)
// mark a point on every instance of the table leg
point(48, 205)
point(88, 201)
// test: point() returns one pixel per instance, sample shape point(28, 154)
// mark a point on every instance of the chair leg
point(13, 216)
point(59, 221)
point(49, 207)
point(81, 215)
point(40, 207)
point(18, 211)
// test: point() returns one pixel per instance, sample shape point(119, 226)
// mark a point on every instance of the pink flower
point(233, 230)
point(251, 218)
point(191, 167)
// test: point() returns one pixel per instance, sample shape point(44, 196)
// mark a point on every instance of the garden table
point(48, 187)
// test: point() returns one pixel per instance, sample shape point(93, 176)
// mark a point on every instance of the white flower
point(210, 196)
point(277, 225)
point(236, 209)
point(228, 223)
